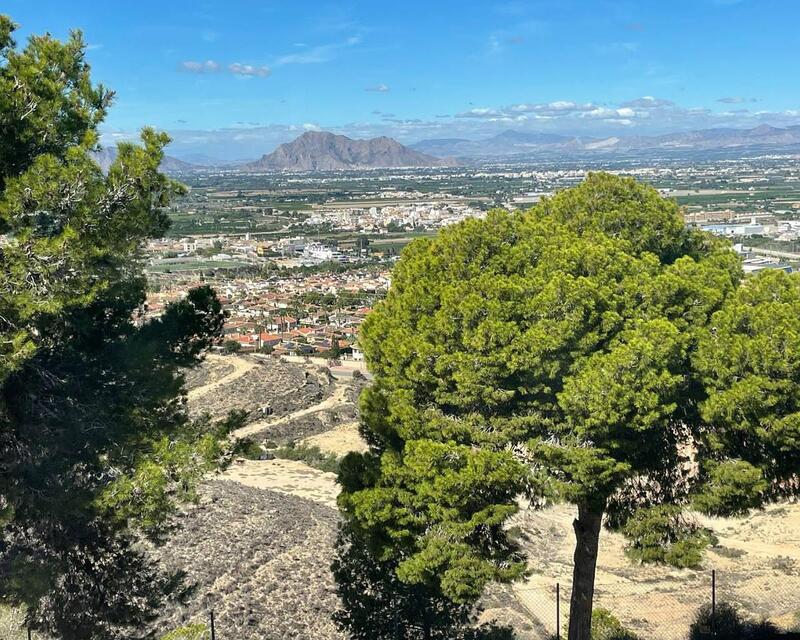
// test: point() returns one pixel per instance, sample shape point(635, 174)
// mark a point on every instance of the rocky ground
point(212, 370)
point(260, 560)
point(255, 384)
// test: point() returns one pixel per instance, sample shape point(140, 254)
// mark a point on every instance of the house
point(246, 342)
point(356, 353)
point(268, 340)
point(281, 323)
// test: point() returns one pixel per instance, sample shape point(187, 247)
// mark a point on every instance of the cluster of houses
point(293, 315)
point(286, 335)
point(431, 214)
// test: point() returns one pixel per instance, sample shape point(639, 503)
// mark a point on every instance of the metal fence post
point(713, 603)
point(558, 611)
point(213, 630)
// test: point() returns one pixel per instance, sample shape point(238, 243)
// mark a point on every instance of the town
point(298, 267)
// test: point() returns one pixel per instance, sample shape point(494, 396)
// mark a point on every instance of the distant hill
point(106, 156)
point(506, 143)
point(323, 151)
point(524, 144)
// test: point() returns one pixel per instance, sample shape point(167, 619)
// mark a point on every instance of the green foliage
point(249, 449)
point(731, 488)
point(749, 357)
point(625, 210)
point(231, 347)
point(726, 623)
point(605, 626)
point(312, 455)
point(376, 605)
point(547, 353)
point(96, 444)
point(168, 473)
point(663, 534)
point(196, 631)
point(47, 100)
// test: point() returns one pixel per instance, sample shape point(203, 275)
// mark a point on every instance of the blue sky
point(233, 79)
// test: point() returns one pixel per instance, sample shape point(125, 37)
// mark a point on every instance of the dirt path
point(339, 441)
point(338, 397)
point(240, 367)
point(291, 477)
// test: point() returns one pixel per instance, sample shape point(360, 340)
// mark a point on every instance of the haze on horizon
point(232, 80)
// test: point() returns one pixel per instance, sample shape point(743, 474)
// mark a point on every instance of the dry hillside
point(260, 542)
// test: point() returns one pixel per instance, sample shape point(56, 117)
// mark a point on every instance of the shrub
point(231, 346)
point(250, 450)
point(515, 533)
point(784, 564)
point(729, 552)
point(605, 626)
point(663, 534)
point(313, 456)
point(726, 623)
point(189, 632)
point(732, 489)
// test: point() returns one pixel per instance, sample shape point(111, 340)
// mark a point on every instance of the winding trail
point(240, 367)
point(291, 477)
point(336, 398)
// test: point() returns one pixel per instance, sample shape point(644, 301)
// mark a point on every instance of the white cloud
point(649, 114)
point(209, 66)
point(379, 88)
point(236, 68)
point(736, 100)
point(648, 102)
point(249, 70)
point(480, 112)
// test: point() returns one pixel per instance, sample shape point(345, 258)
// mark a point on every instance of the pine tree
point(95, 441)
point(576, 352)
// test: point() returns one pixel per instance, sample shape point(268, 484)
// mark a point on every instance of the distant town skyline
point(234, 79)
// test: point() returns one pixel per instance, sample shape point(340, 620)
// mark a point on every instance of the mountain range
point(520, 145)
point(323, 151)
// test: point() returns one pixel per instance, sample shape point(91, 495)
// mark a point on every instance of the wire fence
point(668, 610)
point(655, 609)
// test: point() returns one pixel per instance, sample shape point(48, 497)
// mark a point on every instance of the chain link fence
point(668, 609)
point(657, 609)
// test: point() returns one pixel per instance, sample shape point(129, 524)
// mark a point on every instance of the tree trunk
point(587, 536)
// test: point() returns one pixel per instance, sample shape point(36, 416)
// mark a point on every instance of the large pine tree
point(580, 351)
point(95, 441)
